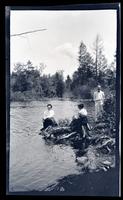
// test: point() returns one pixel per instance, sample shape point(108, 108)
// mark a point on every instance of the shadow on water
point(98, 174)
point(88, 184)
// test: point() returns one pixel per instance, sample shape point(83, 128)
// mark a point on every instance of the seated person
point(82, 114)
point(80, 120)
point(48, 118)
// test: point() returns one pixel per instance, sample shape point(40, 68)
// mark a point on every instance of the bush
point(17, 96)
point(83, 92)
point(109, 113)
point(22, 96)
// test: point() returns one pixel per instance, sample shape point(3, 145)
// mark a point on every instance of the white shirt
point(48, 114)
point(99, 96)
point(83, 112)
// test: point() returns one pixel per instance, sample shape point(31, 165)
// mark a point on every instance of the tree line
point(29, 82)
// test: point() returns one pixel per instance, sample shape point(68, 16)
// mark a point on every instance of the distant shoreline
point(52, 99)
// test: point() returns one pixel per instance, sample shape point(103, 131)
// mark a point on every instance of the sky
point(57, 47)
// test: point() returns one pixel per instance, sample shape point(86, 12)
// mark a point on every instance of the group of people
point(80, 119)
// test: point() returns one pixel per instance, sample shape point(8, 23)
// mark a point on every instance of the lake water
point(34, 165)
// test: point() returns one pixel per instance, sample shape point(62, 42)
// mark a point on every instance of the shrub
point(17, 96)
point(109, 113)
point(83, 92)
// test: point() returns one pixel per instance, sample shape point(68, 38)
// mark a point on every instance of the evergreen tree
point(59, 83)
point(99, 57)
point(68, 82)
point(85, 69)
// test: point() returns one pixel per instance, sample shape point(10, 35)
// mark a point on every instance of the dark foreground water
point(34, 164)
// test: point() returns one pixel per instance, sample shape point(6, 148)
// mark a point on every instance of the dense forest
point(28, 82)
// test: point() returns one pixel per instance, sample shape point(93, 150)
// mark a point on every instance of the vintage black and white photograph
point(63, 70)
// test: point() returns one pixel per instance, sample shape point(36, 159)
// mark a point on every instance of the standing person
point(48, 118)
point(99, 97)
